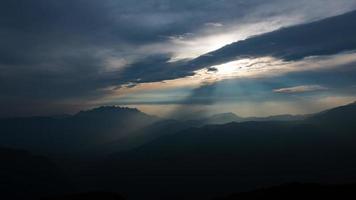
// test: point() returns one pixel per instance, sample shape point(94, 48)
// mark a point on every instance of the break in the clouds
point(59, 56)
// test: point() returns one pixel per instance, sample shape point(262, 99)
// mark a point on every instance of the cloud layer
point(300, 89)
point(76, 52)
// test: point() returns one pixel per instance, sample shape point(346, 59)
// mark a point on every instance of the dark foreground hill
point(297, 191)
point(27, 176)
point(88, 196)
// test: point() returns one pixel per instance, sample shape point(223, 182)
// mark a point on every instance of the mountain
point(225, 118)
point(172, 159)
point(79, 133)
point(222, 118)
point(278, 118)
point(343, 114)
point(243, 155)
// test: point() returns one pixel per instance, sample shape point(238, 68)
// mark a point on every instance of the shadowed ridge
point(27, 176)
point(89, 196)
point(343, 114)
point(297, 191)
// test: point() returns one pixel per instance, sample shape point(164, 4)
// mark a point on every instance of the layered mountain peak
point(110, 110)
point(229, 114)
point(224, 118)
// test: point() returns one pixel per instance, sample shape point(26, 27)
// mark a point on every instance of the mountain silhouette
point(172, 159)
point(225, 118)
point(341, 114)
point(79, 133)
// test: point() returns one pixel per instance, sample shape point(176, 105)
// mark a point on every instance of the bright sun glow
point(240, 68)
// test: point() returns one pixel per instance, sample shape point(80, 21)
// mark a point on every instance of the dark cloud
point(212, 69)
point(154, 68)
point(50, 45)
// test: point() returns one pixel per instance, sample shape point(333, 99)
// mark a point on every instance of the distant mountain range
point(118, 147)
point(225, 118)
point(79, 133)
point(104, 129)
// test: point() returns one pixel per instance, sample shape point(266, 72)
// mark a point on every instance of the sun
point(244, 67)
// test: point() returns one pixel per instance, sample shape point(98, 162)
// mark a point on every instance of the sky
point(172, 58)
